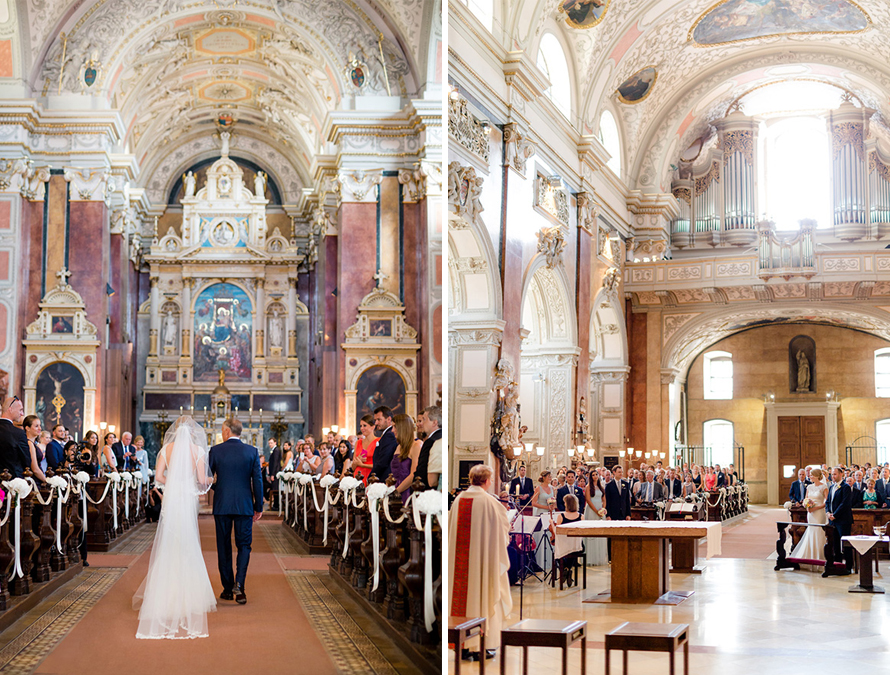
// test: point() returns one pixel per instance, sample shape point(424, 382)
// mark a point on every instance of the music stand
point(520, 526)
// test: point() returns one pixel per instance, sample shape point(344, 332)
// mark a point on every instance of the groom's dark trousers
point(237, 495)
point(840, 505)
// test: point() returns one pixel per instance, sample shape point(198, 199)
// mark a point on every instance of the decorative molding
point(358, 186)
point(588, 211)
point(464, 190)
point(518, 149)
point(841, 264)
point(552, 199)
point(551, 243)
point(468, 131)
point(414, 182)
point(673, 322)
point(474, 337)
point(642, 276)
point(89, 185)
point(734, 269)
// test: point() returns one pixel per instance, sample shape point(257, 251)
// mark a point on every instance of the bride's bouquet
point(808, 503)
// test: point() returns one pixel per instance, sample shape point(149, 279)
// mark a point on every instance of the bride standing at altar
point(812, 544)
point(594, 495)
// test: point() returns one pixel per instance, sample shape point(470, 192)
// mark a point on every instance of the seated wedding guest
point(710, 479)
point(140, 455)
point(870, 496)
point(404, 460)
point(478, 535)
point(107, 460)
point(54, 449)
point(798, 489)
point(309, 462)
point(43, 441)
point(287, 463)
point(343, 460)
point(696, 476)
point(689, 488)
point(32, 428)
point(565, 548)
point(15, 453)
point(326, 463)
point(363, 457)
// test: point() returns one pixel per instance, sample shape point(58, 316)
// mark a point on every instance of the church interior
point(667, 249)
point(218, 209)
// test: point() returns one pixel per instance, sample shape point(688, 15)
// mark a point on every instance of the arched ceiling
point(696, 83)
point(172, 67)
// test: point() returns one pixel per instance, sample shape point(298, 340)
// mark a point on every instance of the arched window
point(797, 169)
point(552, 60)
point(882, 434)
point(882, 373)
point(611, 140)
point(484, 11)
point(718, 375)
point(719, 439)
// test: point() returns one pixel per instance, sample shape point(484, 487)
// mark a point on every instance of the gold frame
point(710, 9)
point(592, 25)
point(646, 95)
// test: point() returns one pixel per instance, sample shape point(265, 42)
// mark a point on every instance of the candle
point(180, 411)
point(517, 490)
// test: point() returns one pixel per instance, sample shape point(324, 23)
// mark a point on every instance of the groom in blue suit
point(238, 503)
point(839, 509)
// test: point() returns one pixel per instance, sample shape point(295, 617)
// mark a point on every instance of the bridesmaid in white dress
point(812, 544)
point(597, 547)
point(542, 504)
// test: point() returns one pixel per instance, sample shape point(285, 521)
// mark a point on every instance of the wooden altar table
point(640, 562)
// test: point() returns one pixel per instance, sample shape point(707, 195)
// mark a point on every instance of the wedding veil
point(176, 595)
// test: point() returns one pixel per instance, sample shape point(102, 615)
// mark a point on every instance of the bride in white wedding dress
point(176, 593)
point(812, 544)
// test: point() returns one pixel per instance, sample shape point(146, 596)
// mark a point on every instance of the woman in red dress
point(364, 449)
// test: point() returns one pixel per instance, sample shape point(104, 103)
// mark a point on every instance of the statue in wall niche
point(803, 372)
point(188, 180)
point(507, 407)
point(169, 329)
point(276, 330)
point(224, 136)
point(259, 184)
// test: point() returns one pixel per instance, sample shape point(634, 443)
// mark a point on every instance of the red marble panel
point(635, 403)
point(4, 320)
point(437, 333)
point(416, 260)
point(6, 58)
point(120, 291)
point(5, 215)
point(438, 270)
point(4, 268)
point(512, 291)
point(31, 264)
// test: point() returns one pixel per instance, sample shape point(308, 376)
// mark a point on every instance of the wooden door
point(801, 443)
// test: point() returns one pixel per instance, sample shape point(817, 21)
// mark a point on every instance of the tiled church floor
point(744, 618)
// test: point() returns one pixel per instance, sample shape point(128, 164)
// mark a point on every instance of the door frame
point(826, 409)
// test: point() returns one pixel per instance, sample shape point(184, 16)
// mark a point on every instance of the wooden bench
point(649, 637)
point(545, 633)
point(460, 630)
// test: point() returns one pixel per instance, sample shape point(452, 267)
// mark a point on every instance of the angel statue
point(259, 184)
point(189, 180)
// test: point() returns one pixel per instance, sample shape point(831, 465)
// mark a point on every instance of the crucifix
point(63, 275)
point(380, 277)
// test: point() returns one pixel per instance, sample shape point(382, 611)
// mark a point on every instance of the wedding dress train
point(176, 593)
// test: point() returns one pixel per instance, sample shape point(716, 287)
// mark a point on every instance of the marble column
point(260, 317)
point(291, 322)
point(185, 323)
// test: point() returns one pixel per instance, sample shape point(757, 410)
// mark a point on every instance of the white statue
point(224, 137)
point(259, 184)
point(169, 329)
point(276, 332)
point(189, 180)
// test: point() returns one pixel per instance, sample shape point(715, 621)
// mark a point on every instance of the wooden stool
point(461, 629)
point(545, 633)
point(649, 637)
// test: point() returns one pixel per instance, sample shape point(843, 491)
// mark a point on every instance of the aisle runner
point(21, 656)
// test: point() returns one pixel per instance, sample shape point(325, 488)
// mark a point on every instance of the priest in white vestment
point(478, 534)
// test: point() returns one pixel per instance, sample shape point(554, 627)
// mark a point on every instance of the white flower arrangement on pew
point(429, 502)
point(349, 483)
point(327, 481)
point(306, 479)
point(57, 482)
point(18, 488)
point(377, 491)
point(138, 476)
point(127, 477)
point(82, 477)
point(114, 477)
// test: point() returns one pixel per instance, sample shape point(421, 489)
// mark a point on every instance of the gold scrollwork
point(738, 141)
point(848, 133)
point(702, 183)
point(683, 193)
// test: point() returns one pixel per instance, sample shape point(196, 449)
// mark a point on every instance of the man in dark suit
point(838, 505)
point(521, 487)
point(674, 485)
point(15, 455)
point(570, 488)
point(124, 452)
point(617, 497)
point(856, 501)
point(882, 485)
point(386, 446)
point(649, 491)
point(431, 418)
point(238, 503)
point(798, 490)
point(272, 472)
point(55, 449)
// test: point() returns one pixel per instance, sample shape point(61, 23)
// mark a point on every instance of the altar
point(640, 555)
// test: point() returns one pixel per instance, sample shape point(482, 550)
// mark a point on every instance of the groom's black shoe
point(240, 597)
point(226, 595)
